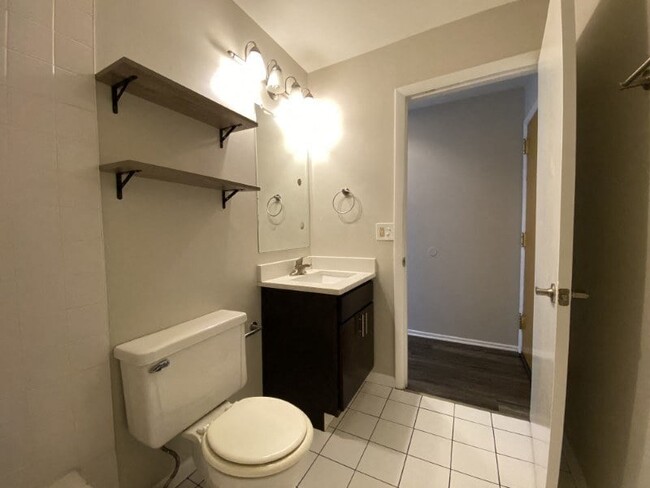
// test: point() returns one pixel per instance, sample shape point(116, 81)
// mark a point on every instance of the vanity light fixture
point(295, 93)
point(274, 85)
point(252, 60)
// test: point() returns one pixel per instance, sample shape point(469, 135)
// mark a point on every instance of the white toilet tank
point(173, 377)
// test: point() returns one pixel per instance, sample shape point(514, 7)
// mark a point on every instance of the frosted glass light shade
point(275, 83)
point(255, 64)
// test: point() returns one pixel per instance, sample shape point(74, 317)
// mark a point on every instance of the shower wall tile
point(55, 398)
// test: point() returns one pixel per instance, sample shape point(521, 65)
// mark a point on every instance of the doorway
point(465, 254)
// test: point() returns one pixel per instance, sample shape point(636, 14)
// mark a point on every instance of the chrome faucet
point(299, 268)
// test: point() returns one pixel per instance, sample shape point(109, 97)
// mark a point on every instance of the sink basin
point(323, 277)
point(327, 275)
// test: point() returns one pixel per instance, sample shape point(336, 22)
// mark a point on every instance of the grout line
point(474, 477)
point(496, 455)
point(371, 434)
point(408, 448)
point(451, 452)
point(309, 467)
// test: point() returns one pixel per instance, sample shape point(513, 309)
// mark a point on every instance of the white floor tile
point(370, 404)
point(344, 448)
point(514, 445)
point(326, 474)
point(390, 434)
point(515, 473)
point(304, 464)
point(510, 424)
point(434, 423)
point(358, 423)
point(400, 413)
point(320, 438)
point(186, 483)
point(337, 420)
point(437, 405)
point(406, 397)
point(382, 463)
point(474, 434)
point(460, 480)
point(473, 414)
point(420, 474)
point(431, 448)
point(474, 462)
point(375, 389)
point(360, 480)
point(197, 478)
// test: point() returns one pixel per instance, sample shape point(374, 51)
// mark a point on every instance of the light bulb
point(295, 94)
point(274, 84)
point(255, 64)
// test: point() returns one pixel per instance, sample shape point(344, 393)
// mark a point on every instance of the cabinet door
point(366, 357)
point(350, 346)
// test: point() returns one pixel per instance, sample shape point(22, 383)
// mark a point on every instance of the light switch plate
point(384, 232)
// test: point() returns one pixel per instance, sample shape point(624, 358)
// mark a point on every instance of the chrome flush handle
point(159, 366)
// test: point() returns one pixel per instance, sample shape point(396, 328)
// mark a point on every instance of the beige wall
point(608, 403)
point(363, 161)
point(172, 253)
point(464, 200)
point(55, 407)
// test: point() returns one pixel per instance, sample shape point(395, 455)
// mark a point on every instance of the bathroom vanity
point(318, 339)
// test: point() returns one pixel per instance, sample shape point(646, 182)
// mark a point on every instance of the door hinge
point(522, 239)
point(525, 146)
point(522, 321)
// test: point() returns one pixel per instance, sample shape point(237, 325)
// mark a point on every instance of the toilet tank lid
point(154, 347)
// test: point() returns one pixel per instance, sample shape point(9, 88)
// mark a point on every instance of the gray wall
point(172, 252)
point(464, 203)
point(364, 88)
point(608, 400)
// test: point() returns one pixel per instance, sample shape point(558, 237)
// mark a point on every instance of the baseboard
point(574, 465)
point(381, 379)
point(462, 340)
point(186, 468)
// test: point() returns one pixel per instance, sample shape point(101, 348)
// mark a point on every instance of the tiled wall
point(55, 405)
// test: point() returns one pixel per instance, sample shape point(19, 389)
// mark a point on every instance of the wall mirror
point(283, 202)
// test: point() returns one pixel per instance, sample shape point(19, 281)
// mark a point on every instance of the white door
point(554, 240)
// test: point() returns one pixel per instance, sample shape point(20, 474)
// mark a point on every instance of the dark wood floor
point(487, 378)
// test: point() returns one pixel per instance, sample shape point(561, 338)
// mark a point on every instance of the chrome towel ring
point(346, 194)
point(277, 198)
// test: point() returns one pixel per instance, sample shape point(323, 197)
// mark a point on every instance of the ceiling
point(318, 33)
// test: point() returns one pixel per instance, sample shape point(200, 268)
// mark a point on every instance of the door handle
point(547, 292)
point(363, 326)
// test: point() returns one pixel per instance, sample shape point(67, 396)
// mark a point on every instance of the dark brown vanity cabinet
point(317, 349)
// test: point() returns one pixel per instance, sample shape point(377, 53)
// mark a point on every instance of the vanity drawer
point(354, 300)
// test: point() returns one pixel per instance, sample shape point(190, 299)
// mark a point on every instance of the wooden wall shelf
point(126, 74)
point(125, 170)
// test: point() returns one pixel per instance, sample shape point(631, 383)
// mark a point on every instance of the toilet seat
point(257, 437)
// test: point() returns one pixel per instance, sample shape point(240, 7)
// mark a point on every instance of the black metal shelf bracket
point(118, 89)
point(121, 179)
point(224, 132)
point(227, 195)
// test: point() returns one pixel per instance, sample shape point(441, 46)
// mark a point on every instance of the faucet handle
point(299, 261)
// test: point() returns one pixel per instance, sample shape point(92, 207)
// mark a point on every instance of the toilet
point(177, 381)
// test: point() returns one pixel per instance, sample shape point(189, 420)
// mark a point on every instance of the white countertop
point(328, 275)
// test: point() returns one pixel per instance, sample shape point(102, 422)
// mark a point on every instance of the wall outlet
point(384, 232)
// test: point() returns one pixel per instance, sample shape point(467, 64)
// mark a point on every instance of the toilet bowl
point(257, 442)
